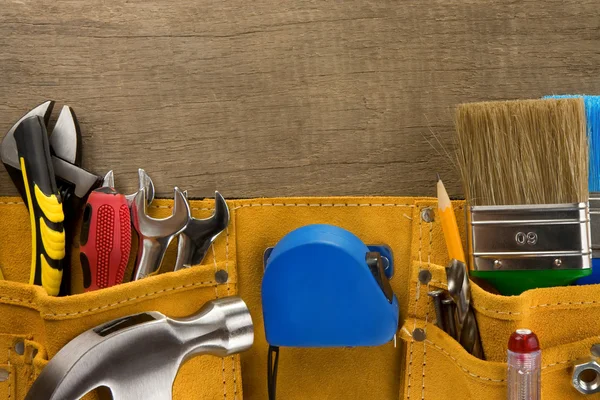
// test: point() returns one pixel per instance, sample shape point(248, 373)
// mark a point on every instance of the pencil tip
point(438, 177)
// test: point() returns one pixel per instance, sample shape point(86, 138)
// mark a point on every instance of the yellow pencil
point(449, 226)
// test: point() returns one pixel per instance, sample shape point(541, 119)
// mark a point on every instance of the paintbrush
point(592, 116)
point(524, 168)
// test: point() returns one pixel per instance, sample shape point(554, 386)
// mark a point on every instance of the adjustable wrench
point(137, 357)
point(194, 241)
point(63, 160)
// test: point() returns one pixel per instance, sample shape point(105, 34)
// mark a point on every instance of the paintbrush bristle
point(523, 152)
point(592, 115)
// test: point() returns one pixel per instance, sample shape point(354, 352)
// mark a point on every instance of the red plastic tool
point(105, 239)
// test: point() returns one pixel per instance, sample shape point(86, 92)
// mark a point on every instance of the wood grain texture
point(268, 98)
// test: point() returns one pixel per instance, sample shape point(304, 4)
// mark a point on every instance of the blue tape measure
point(323, 287)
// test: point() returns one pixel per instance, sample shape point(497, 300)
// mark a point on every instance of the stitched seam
point(427, 312)
point(227, 249)
point(209, 283)
point(10, 203)
point(17, 300)
point(324, 205)
point(412, 339)
point(9, 369)
point(234, 378)
point(191, 208)
point(568, 303)
point(429, 342)
point(498, 312)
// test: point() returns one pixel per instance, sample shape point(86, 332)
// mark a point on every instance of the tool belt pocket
point(21, 360)
point(35, 326)
point(566, 320)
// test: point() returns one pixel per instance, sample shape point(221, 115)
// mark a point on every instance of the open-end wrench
point(137, 357)
point(194, 241)
point(154, 235)
point(109, 181)
point(106, 233)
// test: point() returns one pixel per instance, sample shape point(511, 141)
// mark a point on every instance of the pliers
point(46, 170)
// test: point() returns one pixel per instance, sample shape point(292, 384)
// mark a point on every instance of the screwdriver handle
point(45, 205)
point(105, 239)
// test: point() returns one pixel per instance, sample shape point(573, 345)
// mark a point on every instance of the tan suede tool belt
point(437, 367)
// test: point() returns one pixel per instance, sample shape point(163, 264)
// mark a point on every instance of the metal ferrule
point(529, 237)
point(595, 223)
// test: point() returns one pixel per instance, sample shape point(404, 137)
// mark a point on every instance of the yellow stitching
point(11, 203)
point(483, 377)
point(17, 300)
point(427, 341)
point(234, 378)
point(227, 249)
point(9, 373)
point(323, 205)
point(496, 311)
point(209, 283)
point(427, 312)
point(224, 381)
point(569, 303)
point(412, 341)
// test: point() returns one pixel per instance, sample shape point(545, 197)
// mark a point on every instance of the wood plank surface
point(269, 98)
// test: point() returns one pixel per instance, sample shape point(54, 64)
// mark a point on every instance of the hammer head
point(137, 357)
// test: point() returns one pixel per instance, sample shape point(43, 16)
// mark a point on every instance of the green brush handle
point(512, 283)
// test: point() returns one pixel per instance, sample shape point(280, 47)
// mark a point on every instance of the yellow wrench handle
point(45, 205)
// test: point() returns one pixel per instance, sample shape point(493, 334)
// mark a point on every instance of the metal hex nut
point(586, 376)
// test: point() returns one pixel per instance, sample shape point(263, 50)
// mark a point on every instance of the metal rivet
point(419, 335)
point(424, 276)
point(4, 375)
point(427, 214)
point(221, 276)
point(595, 350)
point(497, 264)
point(20, 347)
point(557, 262)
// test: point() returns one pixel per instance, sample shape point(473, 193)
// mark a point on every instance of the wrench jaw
point(144, 182)
point(194, 242)
point(8, 147)
point(65, 138)
point(155, 235)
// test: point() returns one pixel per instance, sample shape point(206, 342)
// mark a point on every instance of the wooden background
point(268, 98)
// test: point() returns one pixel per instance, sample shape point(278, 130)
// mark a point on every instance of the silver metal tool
point(195, 240)
point(466, 324)
point(449, 311)
point(137, 357)
point(437, 296)
point(156, 234)
point(586, 373)
point(109, 181)
point(595, 223)
point(63, 145)
point(529, 237)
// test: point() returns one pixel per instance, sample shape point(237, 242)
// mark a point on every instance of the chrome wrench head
point(195, 240)
point(66, 149)
point(116, 354)
point(155, 235)
point(144, 179)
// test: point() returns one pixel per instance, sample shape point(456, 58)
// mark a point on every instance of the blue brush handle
point(594, 277)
